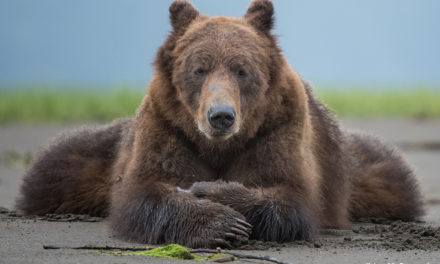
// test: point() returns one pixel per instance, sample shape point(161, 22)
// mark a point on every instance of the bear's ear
point(260, 15)
point(182, 13)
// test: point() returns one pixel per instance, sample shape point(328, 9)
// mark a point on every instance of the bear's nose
point(221, 116)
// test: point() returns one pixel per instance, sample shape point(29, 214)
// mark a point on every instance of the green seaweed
point(171, 251)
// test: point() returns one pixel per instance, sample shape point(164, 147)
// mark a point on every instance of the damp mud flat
point(368, 241)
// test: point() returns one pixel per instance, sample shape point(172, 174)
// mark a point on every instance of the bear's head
point(219, 71)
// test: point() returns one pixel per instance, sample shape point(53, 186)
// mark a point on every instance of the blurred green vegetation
point(67, 106)
point(420, 103)
point(75, 105)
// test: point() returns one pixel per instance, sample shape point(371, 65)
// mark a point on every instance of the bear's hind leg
point(73, 174)
point(384, 185)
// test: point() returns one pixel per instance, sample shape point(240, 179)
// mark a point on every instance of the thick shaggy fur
point(284, 168)
point(72, 175)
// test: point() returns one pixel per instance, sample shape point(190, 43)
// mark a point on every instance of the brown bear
point(228, 144)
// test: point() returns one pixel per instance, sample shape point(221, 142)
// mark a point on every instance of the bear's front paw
point(219, 226)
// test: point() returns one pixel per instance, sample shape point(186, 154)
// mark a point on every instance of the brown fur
point(71, 175)
point(285, 166)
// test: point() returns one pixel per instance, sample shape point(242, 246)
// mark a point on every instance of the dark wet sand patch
point(11, 214)
point(372, 233)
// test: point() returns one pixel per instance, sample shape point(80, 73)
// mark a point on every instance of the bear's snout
point(218, 115)
point(221, 117)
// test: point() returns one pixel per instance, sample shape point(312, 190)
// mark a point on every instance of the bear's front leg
point(276, 213)
point(157, 213)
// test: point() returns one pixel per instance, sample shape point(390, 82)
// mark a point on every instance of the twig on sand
point(99, 248)
point(201, 250)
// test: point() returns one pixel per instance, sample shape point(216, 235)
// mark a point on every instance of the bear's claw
point(242, 222)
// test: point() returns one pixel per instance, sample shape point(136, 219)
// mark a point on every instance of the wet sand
point(369, 241)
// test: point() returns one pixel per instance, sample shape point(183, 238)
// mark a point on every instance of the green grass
point(81, 105)
point(421, 103)
point(67, 106)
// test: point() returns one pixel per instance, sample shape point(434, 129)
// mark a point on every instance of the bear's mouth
point(220, 134)
point(217, 135)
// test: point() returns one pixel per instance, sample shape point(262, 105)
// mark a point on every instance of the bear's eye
point(241, 73)
point(200, 72)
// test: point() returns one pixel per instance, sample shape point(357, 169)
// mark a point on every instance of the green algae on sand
point(171, 251)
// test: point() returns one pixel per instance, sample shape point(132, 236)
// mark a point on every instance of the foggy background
point(113, 42)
